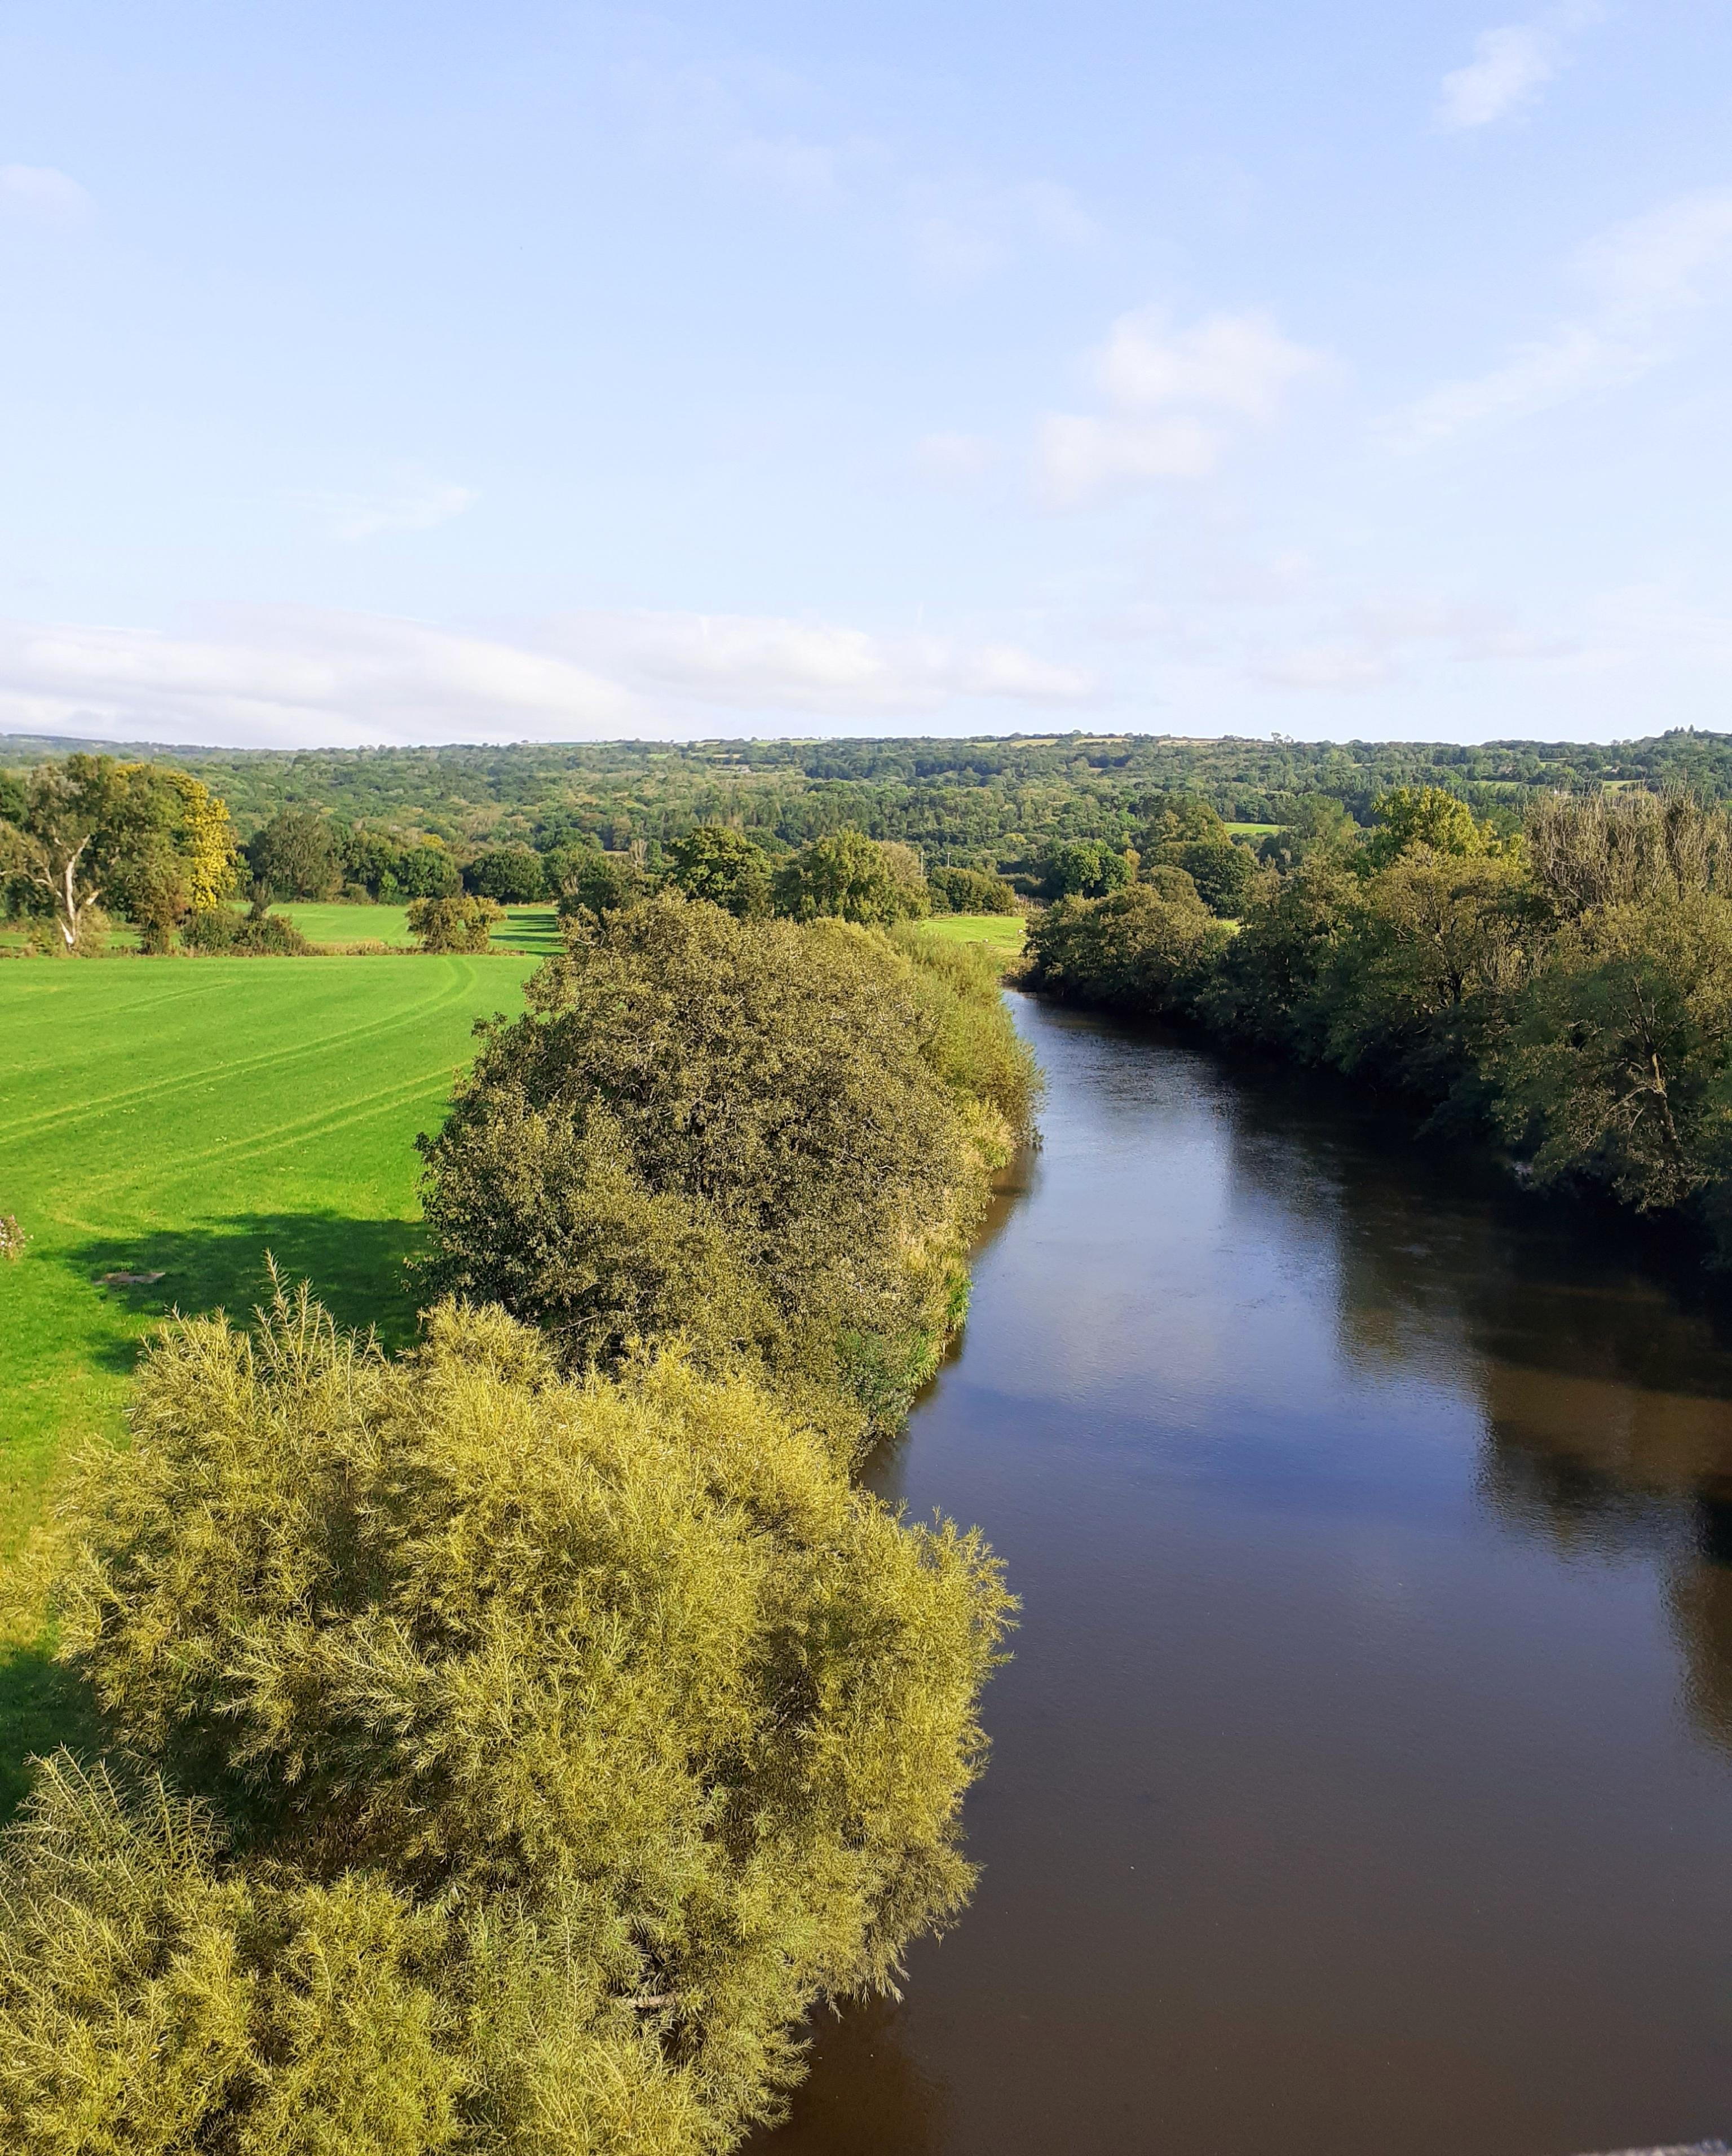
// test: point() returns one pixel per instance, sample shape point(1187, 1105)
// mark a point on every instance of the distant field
point(1253, 830)
point(531, 928)
point(185, 1117)
point(1002, 931)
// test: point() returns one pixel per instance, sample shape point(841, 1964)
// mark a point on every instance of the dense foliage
point(761, 1138)
point(1568, 988)
point(993, 804)
point(92, 836)
point(554, 1743)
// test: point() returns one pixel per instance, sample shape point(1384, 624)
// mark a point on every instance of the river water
point(1362, 1783)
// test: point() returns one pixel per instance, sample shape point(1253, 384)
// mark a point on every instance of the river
point(1362, 1782)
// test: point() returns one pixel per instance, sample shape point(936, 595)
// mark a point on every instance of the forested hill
point(957, 798)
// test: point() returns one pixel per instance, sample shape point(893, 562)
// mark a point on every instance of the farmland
point(182, 1119)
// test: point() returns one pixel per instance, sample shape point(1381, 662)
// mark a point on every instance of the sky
point(382, 372)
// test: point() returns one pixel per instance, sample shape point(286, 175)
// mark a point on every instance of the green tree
point(94, 833)
point(297, 853)
point(1137, 949)
point(1616, 1066)
point(970, 890)
point(1223, 875)
point(744, 1132)
point(596, 886)
point(453, 924)
point(549, 1750)
point(1085, 868)
point(1410, 816)
point(723, 866)
point(847, 876)
point(511, 874)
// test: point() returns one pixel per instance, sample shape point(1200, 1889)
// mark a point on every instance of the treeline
point(1568, 988)
point(510, 1743)
point(996, 804)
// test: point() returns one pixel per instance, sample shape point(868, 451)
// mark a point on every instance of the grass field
point(1003, 931)
point(531, 928)
point(183, 1117)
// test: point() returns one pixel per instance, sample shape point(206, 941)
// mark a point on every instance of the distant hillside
point(991, 797)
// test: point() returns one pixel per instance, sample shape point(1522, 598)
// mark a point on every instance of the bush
point(741, 1132)
point(552, 1748)
point(970, 890)
point(453, 924)
point(1136, 950)
point(258, 934)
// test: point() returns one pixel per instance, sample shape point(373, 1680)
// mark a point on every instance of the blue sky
point(390, 373)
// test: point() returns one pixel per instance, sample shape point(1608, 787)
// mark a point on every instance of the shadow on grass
point(41, 1705)
point(358, 1270)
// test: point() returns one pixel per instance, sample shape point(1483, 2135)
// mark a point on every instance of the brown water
point(1362, 1785)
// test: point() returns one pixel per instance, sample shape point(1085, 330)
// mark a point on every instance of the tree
point(512, 874)
point(297, 854)
point(600, 884)
point(847, 876)
point(724, 867)
point(1618, 1062)
point(1594, 850)
point(1224, 875)
point(1085, 868)
point(1408, 816)
point(746, 1132)
point(970, 890)
point(502, 1764)
point(1177, 820)
point(1136, 949)
point(453, 924)
point(92, 833)
point(1318, 824)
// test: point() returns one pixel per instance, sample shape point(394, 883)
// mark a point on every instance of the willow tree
point(504, 1764)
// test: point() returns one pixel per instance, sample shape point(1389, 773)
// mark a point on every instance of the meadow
point(174, 1121)
point(166, 1124)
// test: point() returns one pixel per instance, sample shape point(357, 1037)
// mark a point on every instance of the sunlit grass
point(184, 1117)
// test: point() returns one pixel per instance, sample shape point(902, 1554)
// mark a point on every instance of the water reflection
point(1374, 1526)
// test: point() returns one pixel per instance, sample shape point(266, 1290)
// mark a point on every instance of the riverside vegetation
point(1567, 987)
point(506, 1743)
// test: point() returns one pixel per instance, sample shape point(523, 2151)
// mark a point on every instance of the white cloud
point(287, 676)
point(1644, 277)
point(1172, 395)
point(1511, 65)
point(39, 194)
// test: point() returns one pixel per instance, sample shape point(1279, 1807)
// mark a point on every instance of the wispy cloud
point(965, 228)
point(1173, 397)
point(1511, 65)
point(416, 502)
point(285, 676)
point(38, 194)
point(1642, 279)
point(955, 459)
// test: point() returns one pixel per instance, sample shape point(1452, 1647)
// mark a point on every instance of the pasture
point(1002, 931)
point(180, 1118)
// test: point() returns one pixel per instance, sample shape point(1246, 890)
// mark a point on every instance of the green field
point(184, 1117)
point(1003, 931)
point(531, 928)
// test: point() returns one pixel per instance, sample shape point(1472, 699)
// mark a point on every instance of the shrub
point(453, 924)
point(259, 933)
point(553, 1749)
